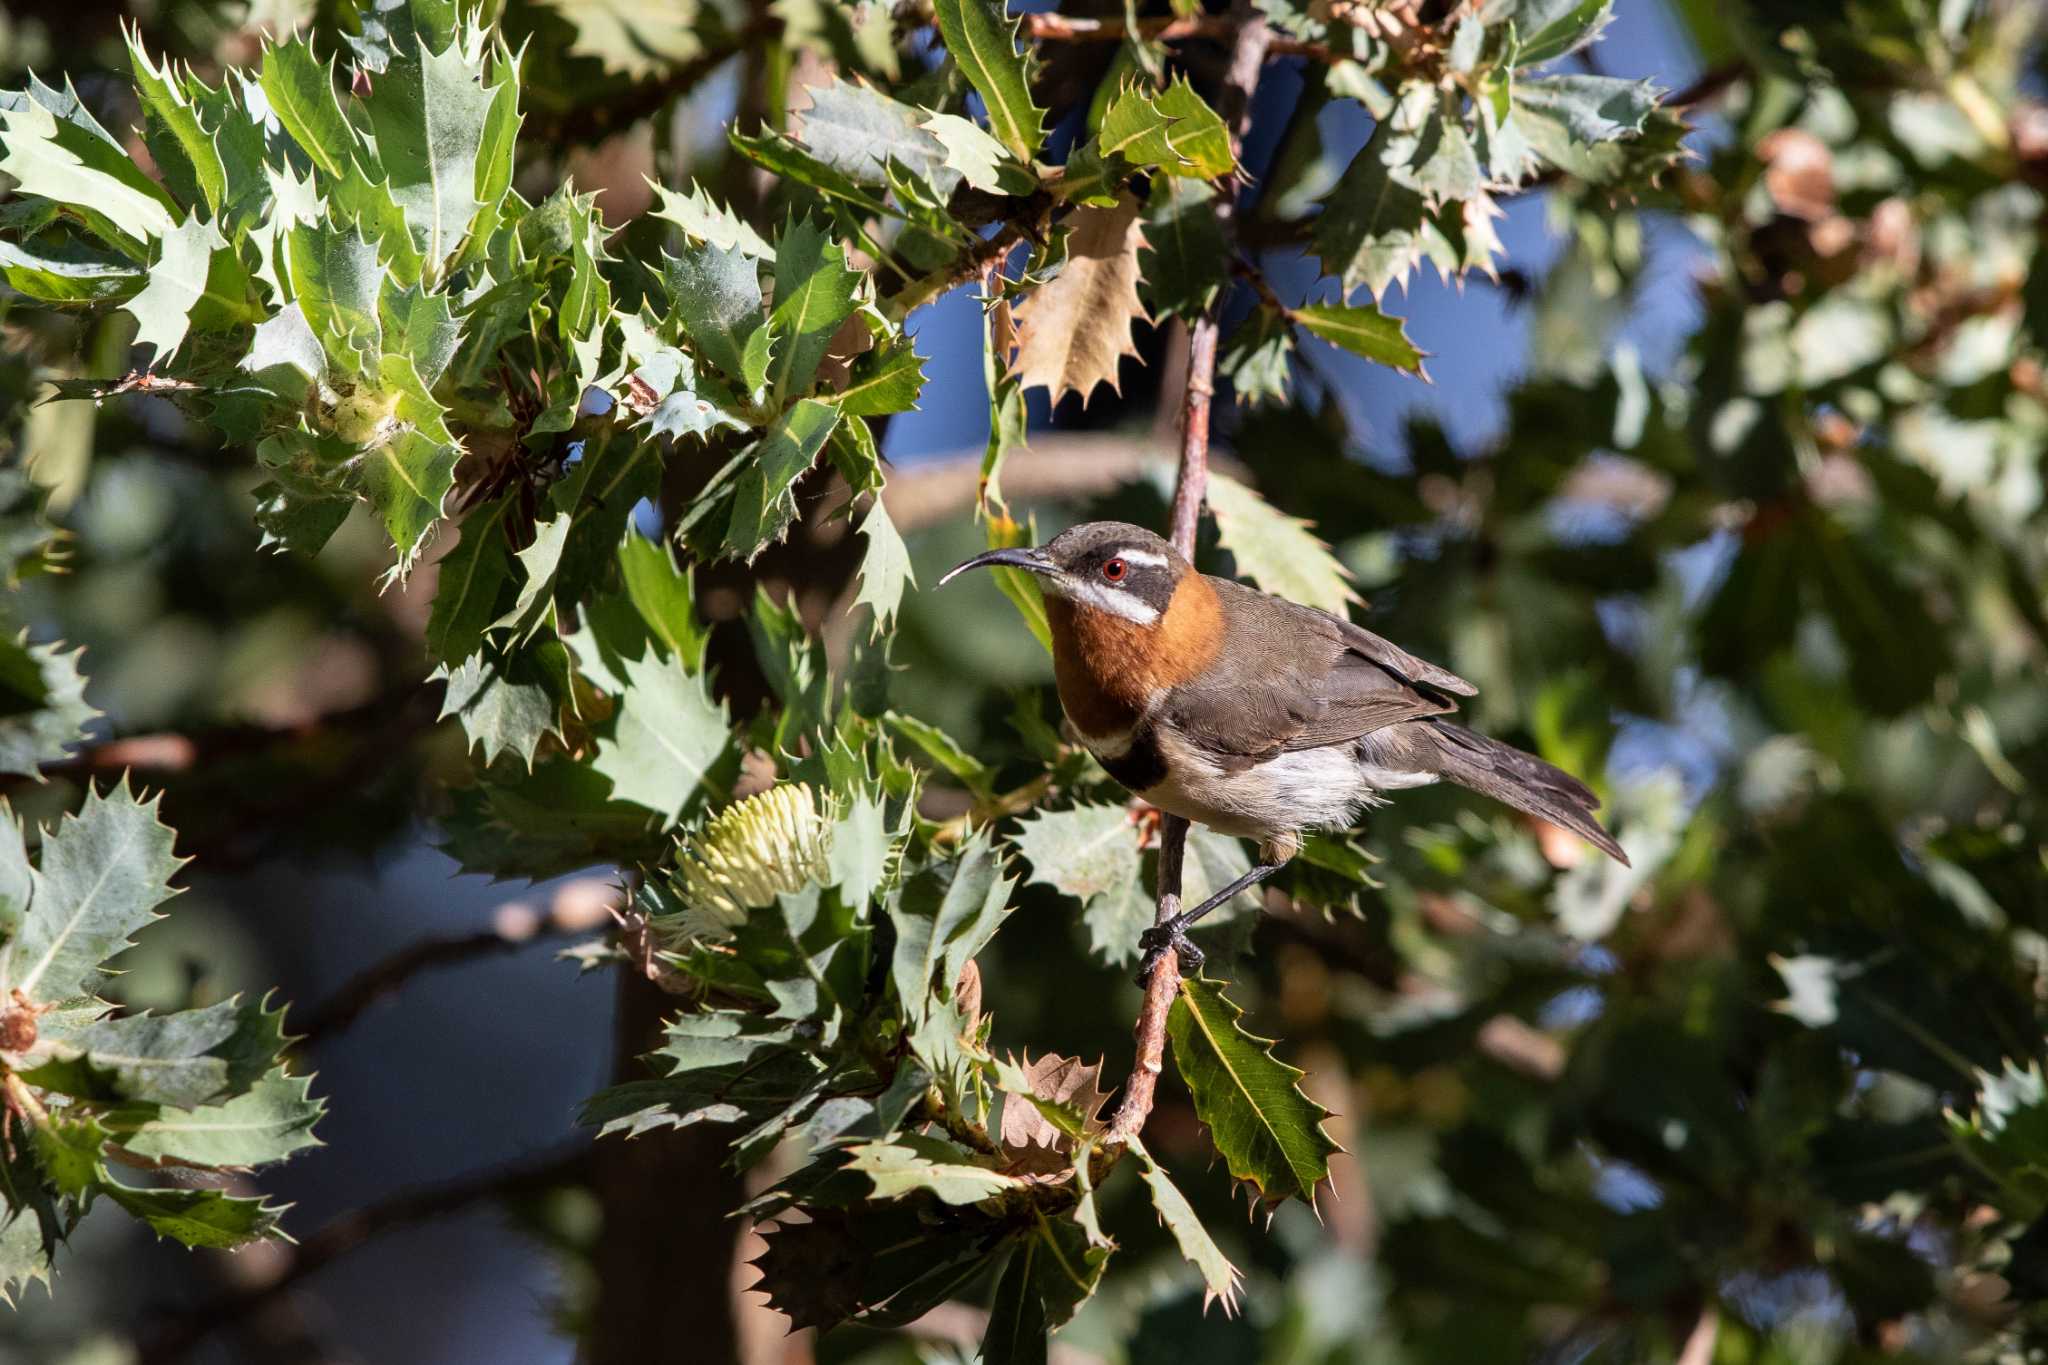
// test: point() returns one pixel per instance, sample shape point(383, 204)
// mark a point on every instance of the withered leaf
point(1030, 1139)
point(1074, 329)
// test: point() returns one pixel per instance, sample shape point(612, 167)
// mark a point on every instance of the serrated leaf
point(1185, 257)
point(1092, 854)
point(102, 874)
point(765, 503)
point(506, 703)
point(1171, 129)
point(705, 220)
point(556, 819)
point(665, 598)
point(638, 39)
point(947, 752)
point(419, 325)
point(814, 293)
point(269, 1123)
point(1258, 357)
point(198, 1218)
point(48, 713)
point(915, 1163)
point(184, 152)
point(465, 602)
point(1054, 1102)
point(1548, 29)
point(186, 1058)
point(1073, 330)
point(1369, 233)
point(177, 281)
point(63, 270)
point(336, 279)
point(983, 42)
point(1220, 1279)
point(429, 110)
point(667, 735)
point(300, 91)
point(885, 568)
point(944, 914)
point(716, 292)
point(67, 1148)
point(887, 379)
point(858, 131)
point(1282, 554)
point(1269, 1133)
point(72, 161)
point(1589, 109)
point(1364, 331)
point(978, 157)
point(24, 1259)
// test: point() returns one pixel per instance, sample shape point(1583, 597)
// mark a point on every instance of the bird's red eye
point(1113, 570)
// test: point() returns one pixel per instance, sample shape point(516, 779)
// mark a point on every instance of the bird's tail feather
point(1523, 781)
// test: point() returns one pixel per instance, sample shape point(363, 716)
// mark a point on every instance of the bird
point(1254, 715)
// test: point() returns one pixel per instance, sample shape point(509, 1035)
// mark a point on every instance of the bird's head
point(1110, 567)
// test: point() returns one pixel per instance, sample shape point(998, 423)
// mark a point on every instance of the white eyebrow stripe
point(1145, 557)
point(1116, 603)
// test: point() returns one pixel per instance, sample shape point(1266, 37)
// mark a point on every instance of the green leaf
point(704, 219)
point(1017, 1333)
point(177, 281)
point(716, 292)
point(1171, 129)
point(68, 1147)
point(884, 569)
point(49, 712)
point(983, 42)
point(1258, 357)
point(765, 502)
point(72, 161)
point(269, 1123)
point(664, 597)
point(507, 703)
point(667, 735)
point(1269, 1133)
point(1548, 29)
point(184, 153)
point(300, 91)
point(978, 157)
point(429, 111)
point(1369, 233)
point(198, 1218)
point(1282, 554)
point(102, 874)
point(947, 752)
point(915, 1163)
point(638, 39)
point(1220, 1279)
point(24, 1259)
point(1091, 853)
point(887, 379)
point(1364, 331)
point(62, 270)
point(337, 280)
point(470, 576)
point(858, 131)
point(1185, 257)
point(559, 818)
point(814, 293)
point(419, 325)
point(944, 914)
point(1588, 109)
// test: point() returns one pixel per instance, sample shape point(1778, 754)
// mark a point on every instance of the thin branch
point(181, 1332)
point(1063, 28)
point(509, 932)
point(1251, 43)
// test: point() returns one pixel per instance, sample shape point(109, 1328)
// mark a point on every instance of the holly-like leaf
point(1280, 553)
point(1370, 230)
point(1091, 853)
point(1220, 1279)
point(1364, 331)
point(1171, 129)
point(887, 379)
point(1258, 357)
point(913, 1163)
point(102, 874)
point(1053, 1102)
point(1548, 29)
point(983, 42)
point(637, 39)
point(665, 598)
point(63, 270)
point(337, 279)
point(271, 1121)
point(944, 914)
point(1588, 109)
point(666, 737)
point(765, 503)
point(177, 281)
point(704, 219)
point(184, 152)
point(71, 160)
point(716, 292)
point(46, 712)
point(198, 1218)
point(300, 91)
point(1185, 259)
point(980, 158)
point(858, 131)
point(815, 292)
point(1074, 329)
point(471, 574)
point(884, 569)
point(429, 111)
point(507, 703)
point(1269, 1133)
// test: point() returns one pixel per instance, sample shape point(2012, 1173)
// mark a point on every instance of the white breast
point(1305, 789)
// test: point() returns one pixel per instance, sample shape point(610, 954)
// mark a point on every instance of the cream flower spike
point(771, 844)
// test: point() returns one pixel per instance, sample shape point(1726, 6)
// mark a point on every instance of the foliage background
point(1584, 1115)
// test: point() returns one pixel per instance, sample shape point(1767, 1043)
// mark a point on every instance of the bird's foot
point(1171, 936)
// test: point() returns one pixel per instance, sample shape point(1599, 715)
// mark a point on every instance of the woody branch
point(1251, 42)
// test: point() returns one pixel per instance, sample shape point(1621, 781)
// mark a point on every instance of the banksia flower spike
point(771, 844)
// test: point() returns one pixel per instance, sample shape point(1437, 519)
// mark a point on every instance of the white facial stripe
point(1126, 605)
point(1145, 557)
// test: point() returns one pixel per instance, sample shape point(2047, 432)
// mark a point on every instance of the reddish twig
point(1248, 53)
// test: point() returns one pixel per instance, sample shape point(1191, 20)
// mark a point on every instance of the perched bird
point(1253, 715)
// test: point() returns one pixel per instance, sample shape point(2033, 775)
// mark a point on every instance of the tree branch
point(1247, 55)
point(1063, 28)
point(181, 1332)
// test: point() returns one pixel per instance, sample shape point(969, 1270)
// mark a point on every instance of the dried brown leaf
point(1027, 1137)
point(1074, 329)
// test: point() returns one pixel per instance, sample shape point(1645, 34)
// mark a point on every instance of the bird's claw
point(1172, 936)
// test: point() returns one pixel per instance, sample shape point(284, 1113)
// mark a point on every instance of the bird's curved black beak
point(1033, 560)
